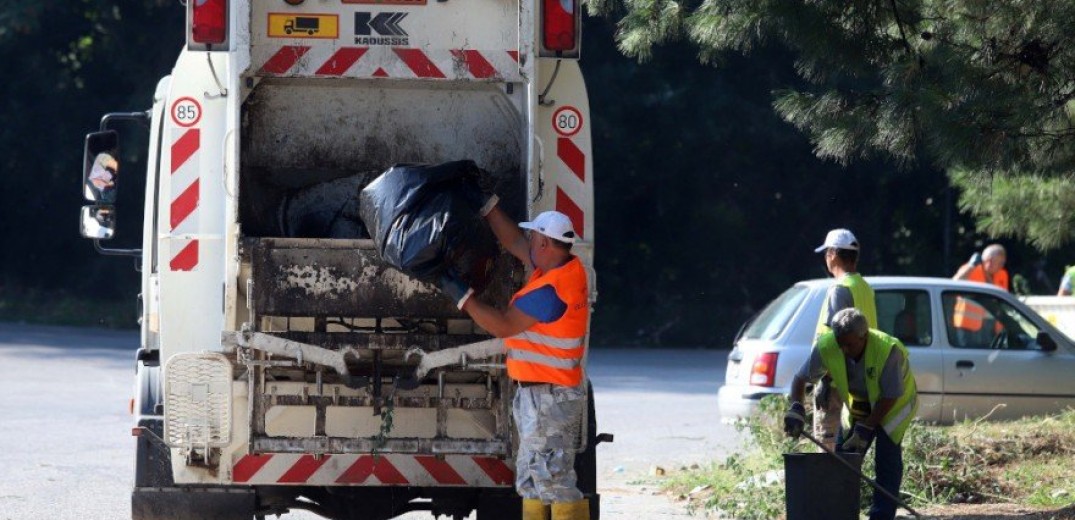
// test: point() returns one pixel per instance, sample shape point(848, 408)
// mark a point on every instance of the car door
point(994, 364)
point(907, 314)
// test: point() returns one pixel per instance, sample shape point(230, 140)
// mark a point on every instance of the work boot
point(578, 510)
point(534, 509)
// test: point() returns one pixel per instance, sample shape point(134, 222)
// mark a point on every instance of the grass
point(1028, 462)
point(45, 308)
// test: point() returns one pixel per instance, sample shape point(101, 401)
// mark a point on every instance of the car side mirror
point(1046, 342)
point(98, 222)
point(100, 170)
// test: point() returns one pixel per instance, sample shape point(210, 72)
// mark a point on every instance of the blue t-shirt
point(542, 304)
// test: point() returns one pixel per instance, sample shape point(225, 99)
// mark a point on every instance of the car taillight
point(560, 22)
point(209, 21)
point(763, 372)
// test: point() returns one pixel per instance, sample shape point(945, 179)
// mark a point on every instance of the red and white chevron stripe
point(186, 195)
point(391, 62)
point(369, 470)
point(572, 158)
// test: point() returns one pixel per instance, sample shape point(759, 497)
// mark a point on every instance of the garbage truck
point(279, 361)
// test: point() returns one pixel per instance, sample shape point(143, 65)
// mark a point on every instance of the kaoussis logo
point(380, 29)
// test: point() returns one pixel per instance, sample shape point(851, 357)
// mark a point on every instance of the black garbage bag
point(425, 221)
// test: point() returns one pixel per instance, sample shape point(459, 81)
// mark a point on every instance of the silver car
point(1004, 362)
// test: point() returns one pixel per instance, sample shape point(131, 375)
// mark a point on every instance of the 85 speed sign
point(186, 112)
point(567, 121)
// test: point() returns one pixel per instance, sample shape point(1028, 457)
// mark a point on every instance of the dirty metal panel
point(346, 278)
point(310, 125)
point(348, 445)
point(395, 341)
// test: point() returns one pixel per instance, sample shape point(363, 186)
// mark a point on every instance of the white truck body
point(1058, 310)
point(304, 94)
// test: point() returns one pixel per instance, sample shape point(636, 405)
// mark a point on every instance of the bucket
point(819, 487)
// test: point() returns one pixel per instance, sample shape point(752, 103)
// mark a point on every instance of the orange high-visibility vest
point(1000, 279)
point(968, 315)
point(552, 352)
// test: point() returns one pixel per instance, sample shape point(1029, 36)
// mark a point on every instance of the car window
point(905, 314)
point(982, 321)
point(775, 316)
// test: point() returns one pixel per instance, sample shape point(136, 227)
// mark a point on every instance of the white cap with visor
point(554, 225)
point(839, 239)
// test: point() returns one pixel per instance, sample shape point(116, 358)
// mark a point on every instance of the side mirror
point(1046, 342)
point(100, 170)
point(98, 222)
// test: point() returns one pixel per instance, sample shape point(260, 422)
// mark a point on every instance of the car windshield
point(772, 320)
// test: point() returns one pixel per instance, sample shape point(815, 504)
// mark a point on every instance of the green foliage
point(748, 485)
point(47, 308)
point(1027, 461)
point(66, 64)
point(709, 204)
point(980, 89)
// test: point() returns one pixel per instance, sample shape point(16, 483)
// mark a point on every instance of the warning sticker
point(186, 112)
point(386, 2)
point(287, 25)
point(567, 121)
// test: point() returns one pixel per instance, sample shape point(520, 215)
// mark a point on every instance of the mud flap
point(188, 503)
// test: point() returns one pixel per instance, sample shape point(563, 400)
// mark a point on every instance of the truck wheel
point(500, 504)
point(586, 461)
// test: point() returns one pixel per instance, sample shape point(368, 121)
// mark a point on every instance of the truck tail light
point(763, 372)
point(561, 21)
point(208, 21)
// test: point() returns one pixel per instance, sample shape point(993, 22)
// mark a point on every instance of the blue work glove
point(861, 437)
point(455, 289)
point(795, 420)
point(975, 259)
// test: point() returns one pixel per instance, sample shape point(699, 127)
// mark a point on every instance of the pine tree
point(981, 89)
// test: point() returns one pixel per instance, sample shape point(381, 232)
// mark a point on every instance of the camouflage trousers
point(547, 418)
point(828, 410)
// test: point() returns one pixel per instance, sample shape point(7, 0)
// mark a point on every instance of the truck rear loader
point(274, 351)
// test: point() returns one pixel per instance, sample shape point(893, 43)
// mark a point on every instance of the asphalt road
point(68, 453)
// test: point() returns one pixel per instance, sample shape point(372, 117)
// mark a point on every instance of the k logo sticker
point(385, 24)
point(380, 29)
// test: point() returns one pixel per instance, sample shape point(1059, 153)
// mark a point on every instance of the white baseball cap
point(554, 225)
point(839, 239)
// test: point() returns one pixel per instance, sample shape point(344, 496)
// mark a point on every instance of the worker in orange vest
point(987, 267)
point(969, 316)
point(544, 329)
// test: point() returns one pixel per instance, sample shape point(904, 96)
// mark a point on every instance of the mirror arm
point(115, 252)
point(141, 117)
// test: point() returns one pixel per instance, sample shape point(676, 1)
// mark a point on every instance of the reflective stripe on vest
point(553, 352)
point(549, 341)
point(862, 298)
point(878, 347)
point(534, 357)
point(968, 315)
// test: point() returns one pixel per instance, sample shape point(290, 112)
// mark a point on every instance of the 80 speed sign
point(567, 121)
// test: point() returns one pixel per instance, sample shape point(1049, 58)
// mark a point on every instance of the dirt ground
point(996, 512)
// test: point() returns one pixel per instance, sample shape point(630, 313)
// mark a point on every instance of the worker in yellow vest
point(1067, 281)
point(841, 250)
point(544, 328)
point(871, 373)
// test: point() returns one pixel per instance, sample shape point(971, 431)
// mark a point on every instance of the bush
point(974, 462)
